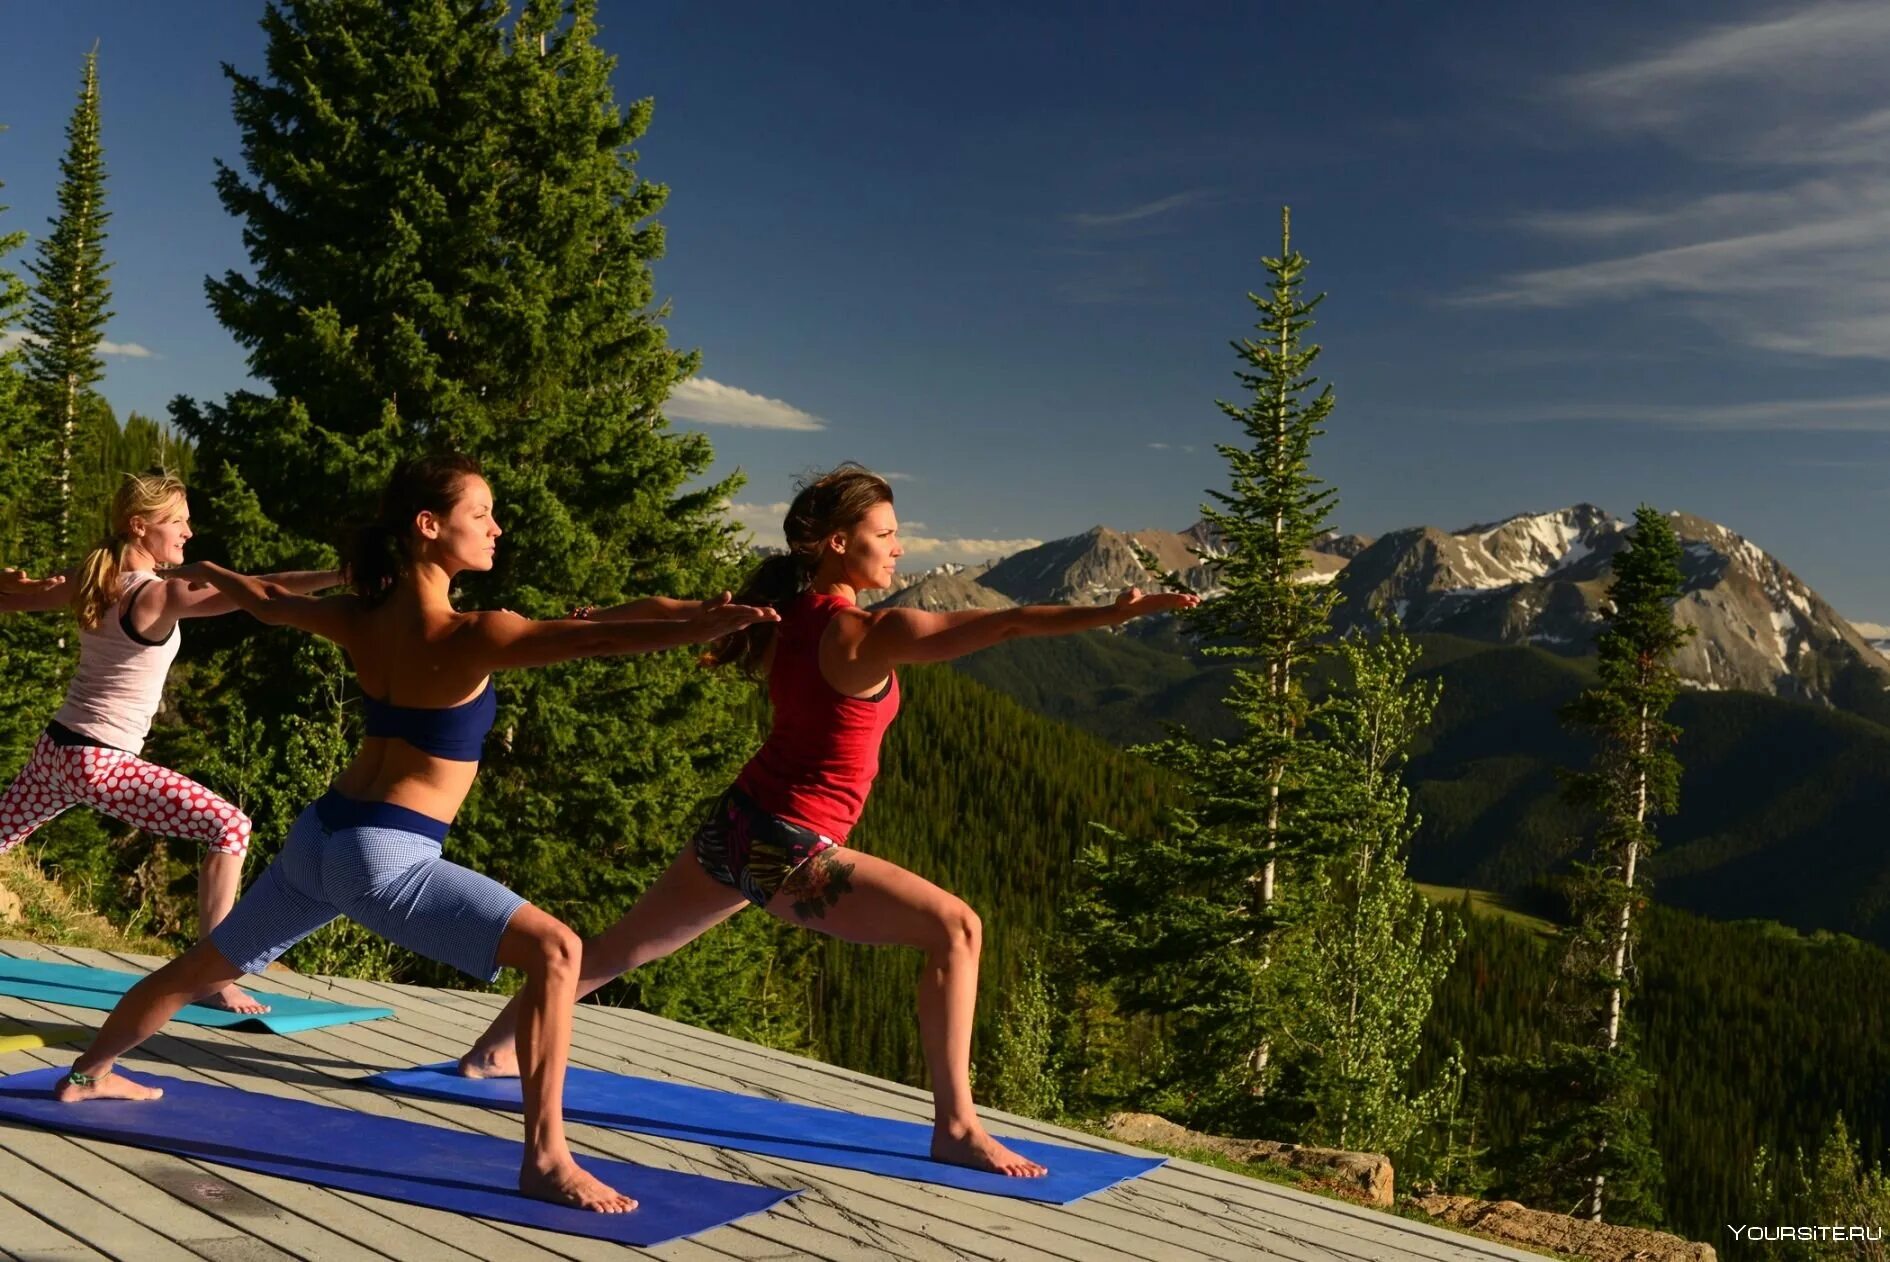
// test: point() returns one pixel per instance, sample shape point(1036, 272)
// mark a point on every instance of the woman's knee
point(961, 931)
point(557, 949)
point(235, 838)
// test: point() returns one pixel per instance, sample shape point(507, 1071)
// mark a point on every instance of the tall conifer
point(15, 429)
point(1364, 965)
point(69, 301)
point(1187, 922)
point(29, 647)
point(1591, 1147)
point(450, 245)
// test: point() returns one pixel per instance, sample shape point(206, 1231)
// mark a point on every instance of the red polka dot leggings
point(121, 785)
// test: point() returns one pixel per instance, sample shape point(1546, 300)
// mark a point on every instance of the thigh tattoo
point(819, 884)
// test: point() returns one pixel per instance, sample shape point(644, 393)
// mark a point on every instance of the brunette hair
point(834, 502)
point(380, 551)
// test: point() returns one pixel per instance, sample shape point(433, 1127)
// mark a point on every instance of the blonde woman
point(128, 637)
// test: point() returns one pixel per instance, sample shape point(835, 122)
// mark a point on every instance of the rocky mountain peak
point(1533, 578)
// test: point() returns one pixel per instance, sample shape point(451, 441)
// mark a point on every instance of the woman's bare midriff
point(389, 770)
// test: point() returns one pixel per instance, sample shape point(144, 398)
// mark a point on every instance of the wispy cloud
point(1814, 51)
point(932, 551)
point(712, 403)
point(1856, 413)
point(1795, 266)
point(13, 339)
point(1140, 213)
point(1184, 447)
point(763, 521)
point(898, 477)
point(1120, 279)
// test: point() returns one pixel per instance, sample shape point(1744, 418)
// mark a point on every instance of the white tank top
point(121, 675)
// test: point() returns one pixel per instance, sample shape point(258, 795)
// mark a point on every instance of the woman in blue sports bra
point(370, 848)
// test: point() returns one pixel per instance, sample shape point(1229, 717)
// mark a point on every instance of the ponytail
point(372, 561)
point(97, 590)
point(379, 551)
point(777, 582)
point(138, 495)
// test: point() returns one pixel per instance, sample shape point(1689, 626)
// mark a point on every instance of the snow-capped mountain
point(1541, 578)
point(1090, 568)
point(1536, 578)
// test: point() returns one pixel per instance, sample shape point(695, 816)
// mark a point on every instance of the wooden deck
point(73, 1199)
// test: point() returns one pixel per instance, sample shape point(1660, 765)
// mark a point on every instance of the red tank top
point(822, 751)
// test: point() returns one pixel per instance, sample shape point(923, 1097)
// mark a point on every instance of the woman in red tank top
point(776, 838)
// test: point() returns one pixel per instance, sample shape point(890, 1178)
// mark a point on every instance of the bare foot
point(973, 1147)
point(232, 998)
point(107, 1086)
point(490, 1062)
point(566, 1183)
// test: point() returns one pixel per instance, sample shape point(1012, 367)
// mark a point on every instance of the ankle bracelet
point(78, 1079)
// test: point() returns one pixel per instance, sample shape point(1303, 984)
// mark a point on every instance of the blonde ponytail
point(138, 495)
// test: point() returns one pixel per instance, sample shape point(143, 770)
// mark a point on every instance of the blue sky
point(1609, 254)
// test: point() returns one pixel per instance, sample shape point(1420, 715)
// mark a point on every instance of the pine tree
point(450, 245)
point(1365, 964)
point(1593, 1142)
point(70, 293)
point(29, 646)
point(16, 432)
point(1187, 921)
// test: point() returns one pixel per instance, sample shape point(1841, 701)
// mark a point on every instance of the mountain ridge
point(1530, 578)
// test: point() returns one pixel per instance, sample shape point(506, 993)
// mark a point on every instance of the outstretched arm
point(20, 594)
point(509, 640)
point(269, 601)
point(179, 598)
point(648, 609)
point(895, 637)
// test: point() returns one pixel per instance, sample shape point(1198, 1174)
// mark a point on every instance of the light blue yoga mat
point(80, 987)
point(801, 1132)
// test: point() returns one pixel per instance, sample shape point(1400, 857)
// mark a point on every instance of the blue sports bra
point(455, 732)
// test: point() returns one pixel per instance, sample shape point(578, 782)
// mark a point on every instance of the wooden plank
point(256, 1202)
point(71, 1161)
point(397, 1002)
point(1058, 1231)
point(1178, 1187)
point(932, 1219)
point(378, 1046)
point(1182, 1211)
point(99, 1225)
point(391, 1229)
point(26, 1235)
point(204, 1054)
point(1122, 1228)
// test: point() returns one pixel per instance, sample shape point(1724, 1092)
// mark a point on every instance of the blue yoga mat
point(801, 1132)
point(381, 1156)
point(80, 987)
